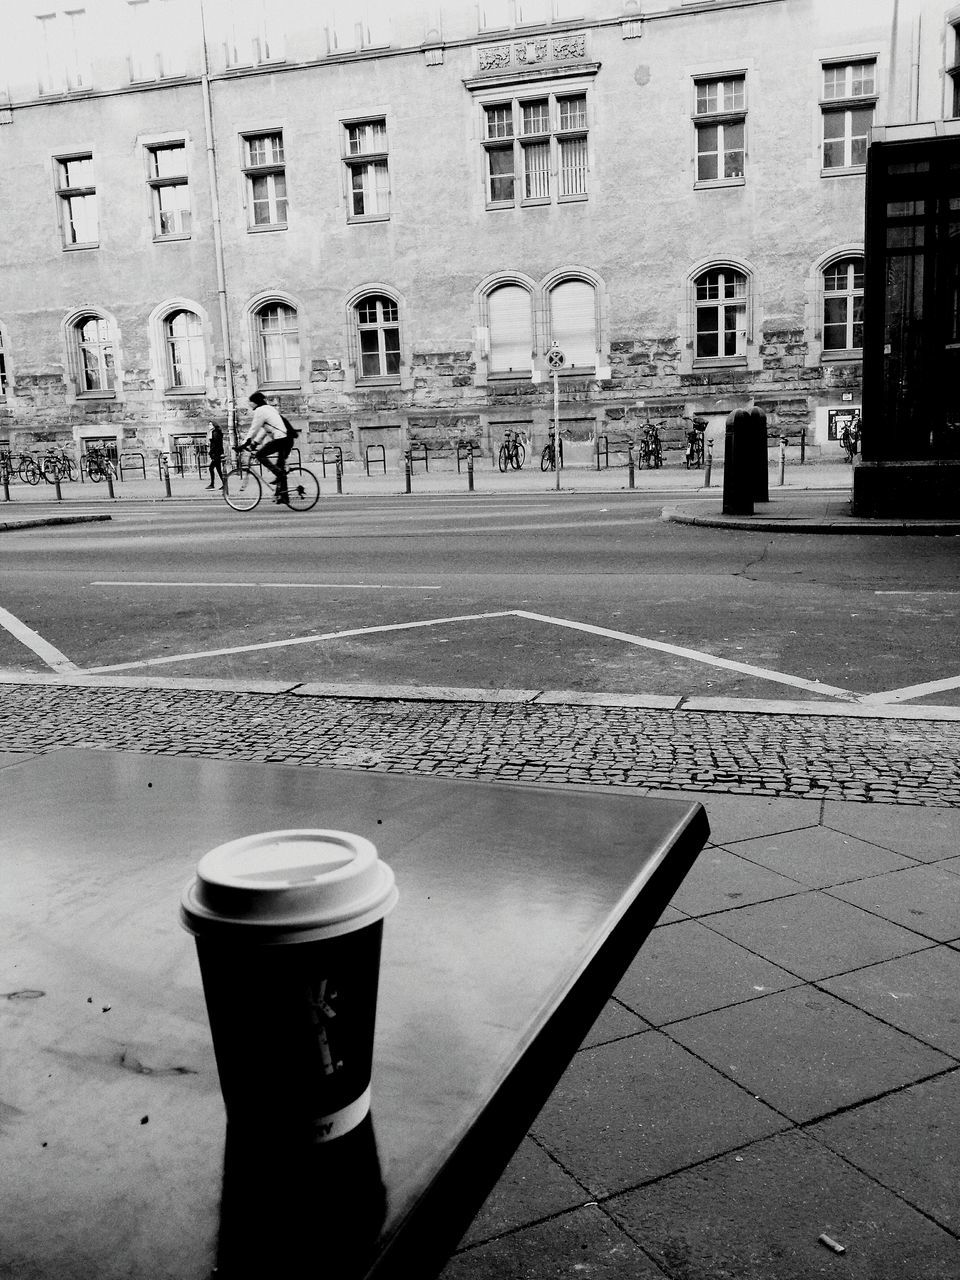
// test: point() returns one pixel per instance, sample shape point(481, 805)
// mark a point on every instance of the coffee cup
point(288, 928)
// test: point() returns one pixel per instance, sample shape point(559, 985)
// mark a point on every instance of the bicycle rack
point(420, 457)
point(141, 464)
point(464, 450)
point(335, 458)
point(369, 455)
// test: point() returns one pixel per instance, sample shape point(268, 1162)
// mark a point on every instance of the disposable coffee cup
point(288, 927)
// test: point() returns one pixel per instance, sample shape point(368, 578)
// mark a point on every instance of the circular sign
point(555, 358)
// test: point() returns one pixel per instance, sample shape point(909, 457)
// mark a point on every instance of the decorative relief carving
point(494, 57)
point(529, 52)
point(565, 47)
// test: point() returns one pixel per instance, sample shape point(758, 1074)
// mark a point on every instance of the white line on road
point(945, 592)
point(913, 691)
point(331, 586)
point(796, 682)
point(284, 644)
point(42, 648)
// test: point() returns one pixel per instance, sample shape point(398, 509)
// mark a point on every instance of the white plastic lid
point(288, 886)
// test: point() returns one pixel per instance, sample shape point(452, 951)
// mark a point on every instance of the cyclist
point(266, 436)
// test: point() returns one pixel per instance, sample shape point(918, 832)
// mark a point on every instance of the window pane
point(77, 172)
point(536, 170)
point(708, 340)
point(733, 323)
point(499, 122)
point(173, 212)
point(573, 323)
point(835, 324)
point(391, 349)
point(860, 122)
point(707, 95)
point(733, 150)
point(573, 113)
point(260, 189)
point(733, 94)
point(369, 353)
point(708, 164)
point(834, 82)
point(168, 162)
point(708, 285)
point(862, 78)
point(573, 167)
point(81, 219)
point(536, 117)
point(501, 174)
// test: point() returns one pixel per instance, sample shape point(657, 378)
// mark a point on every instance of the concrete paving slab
point(820, 857)
point(758, 1215)
point(720, 880)
point(814, 935)
point(819, 1053)
point(925, 898)
point(916, 993)
point(908, 1142)
point(640, 1108)
point(532, 1187)
point(585, 1243)
point(616, 1022)
point(738, 817)
point(688, 969)
point(926, 833)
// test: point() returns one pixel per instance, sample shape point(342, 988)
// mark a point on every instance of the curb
point(40, 521)
point(763, 523)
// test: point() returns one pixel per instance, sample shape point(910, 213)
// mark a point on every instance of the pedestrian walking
point(270, 435)
point(215, 453)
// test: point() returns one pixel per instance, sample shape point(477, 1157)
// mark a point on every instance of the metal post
point(631, 477)
point(166, 476)
point(406, 467)
point(339, 477)
point(470, 471)
point(110, 484)
point(6, 485)
point(783, 458)
point(708, 463)
point(56, 486)
point(556, 426)
point(803, 444)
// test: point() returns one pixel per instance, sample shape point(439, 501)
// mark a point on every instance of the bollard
point(803, 444)
point(56, 487)
point(406, 467)
point(166, 481)
point(707, 463)
point(339, 477)
point(6, 485)
point(737, 481)
point(110, 485)
point(470, 471)
point(631, 474)
point(783, 458)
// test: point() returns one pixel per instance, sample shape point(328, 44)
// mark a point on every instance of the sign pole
point(556, 361)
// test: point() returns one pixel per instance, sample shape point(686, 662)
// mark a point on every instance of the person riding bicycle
point(266, 436)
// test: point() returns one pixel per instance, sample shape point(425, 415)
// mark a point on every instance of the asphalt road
point(593, 593)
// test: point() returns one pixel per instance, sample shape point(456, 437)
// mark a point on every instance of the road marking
point(695, 655)
point(285, 644)
point(332, 586)
point(42, 648)
point(913, 691)
point(945, 592)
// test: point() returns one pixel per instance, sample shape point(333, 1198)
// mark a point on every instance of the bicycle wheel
point(29, 472)
point(502, 458)
point(546, 458)
point(518, 456)
point(242, 490)
point(303, 489)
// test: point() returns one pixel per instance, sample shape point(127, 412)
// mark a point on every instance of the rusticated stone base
point(926, 488)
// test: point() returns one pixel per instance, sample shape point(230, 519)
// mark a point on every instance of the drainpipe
point(217, 235)
point(890, 113)
point(915, 71)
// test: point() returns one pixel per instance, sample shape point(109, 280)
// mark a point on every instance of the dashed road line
point(324, 586)
point(42, 648)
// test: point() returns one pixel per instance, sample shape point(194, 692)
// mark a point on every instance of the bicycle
point(850, 438)
point(693, 454)
point(243, 488)
point(512, 452)
point(547, 459)
point(28, 469)
point(57, 466)
point(99, 466)
point(651, 447)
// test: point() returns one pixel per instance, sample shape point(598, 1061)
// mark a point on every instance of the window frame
point(851, 294)
point(721, 118)
point(158, 183)
point(953, 67)
point(192, 340)
point(66, 193)
point(845, 104)
point(261, 361)
point(381, 326)
point(522, 143)
point(106, 356)
point(521, 373)
point(549, 288)
point(365, 161)
point(266, 170)
point(722, 303)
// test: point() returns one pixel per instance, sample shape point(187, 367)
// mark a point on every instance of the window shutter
point(573, 322)
point(511, 342)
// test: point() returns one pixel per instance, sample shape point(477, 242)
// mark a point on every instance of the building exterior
point(384, 214)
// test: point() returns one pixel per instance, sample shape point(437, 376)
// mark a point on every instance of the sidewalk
point(780, 1062)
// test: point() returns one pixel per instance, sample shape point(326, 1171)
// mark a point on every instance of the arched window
point(843, 305)
point(377, 319)
point(573, 322)
point(93, 355)
point(509, 321)
point(278, 343)
point(720, 305)
point(185, 358)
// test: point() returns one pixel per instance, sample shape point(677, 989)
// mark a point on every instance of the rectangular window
point(549, 158)
point(720, 124)
point(847, 106)
point(368, 177)
point(265, 174)
point(167, 177)
point(64, 58)
point(77, 198)
point(154, 39)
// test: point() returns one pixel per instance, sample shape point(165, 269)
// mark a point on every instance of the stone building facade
point(383, 215)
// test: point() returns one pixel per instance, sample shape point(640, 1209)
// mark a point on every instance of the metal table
point(520, 908)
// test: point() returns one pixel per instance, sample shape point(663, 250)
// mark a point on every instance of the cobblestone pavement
point(836, 757)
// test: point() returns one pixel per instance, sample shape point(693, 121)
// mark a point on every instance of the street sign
point(555, 358)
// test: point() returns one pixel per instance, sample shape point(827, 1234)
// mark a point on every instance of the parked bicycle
point(28, 469)
point(99, 466)
point(850, 437)
point(243, 488)
point(512, 452)
point(693, 454)
point(548, 460)
point(651, 446)
point(55, 465)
